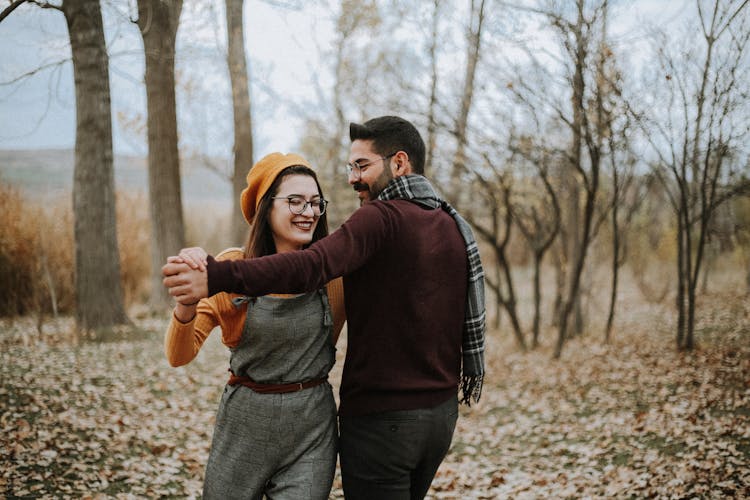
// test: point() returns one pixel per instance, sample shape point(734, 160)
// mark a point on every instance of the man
point(414, 295)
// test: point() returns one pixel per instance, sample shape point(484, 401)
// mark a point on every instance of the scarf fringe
point(471, 388)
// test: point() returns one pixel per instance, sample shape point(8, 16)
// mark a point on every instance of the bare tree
point(582, 108)
point(537, 216)
point(14, 4)
point(326, 136)
point(99, 298)
point(351, 17)
point(584, 119)
point(474, 39)
point(158, 21)
point(432, 103)
point(613, 125)
point(241, 106)
point(495, 230)
point(698, 135)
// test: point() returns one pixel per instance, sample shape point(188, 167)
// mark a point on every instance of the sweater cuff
point(219, 275)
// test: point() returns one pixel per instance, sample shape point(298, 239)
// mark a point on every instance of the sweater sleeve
point(339, 253)
point(183, 340)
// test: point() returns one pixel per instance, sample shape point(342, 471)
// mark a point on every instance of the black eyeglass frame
point(321, 202)
point(354, 166)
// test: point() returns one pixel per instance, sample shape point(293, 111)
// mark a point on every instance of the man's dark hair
point(390, 134)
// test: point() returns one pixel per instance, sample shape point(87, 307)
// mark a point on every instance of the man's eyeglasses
point(356, 168)
point(297, 204)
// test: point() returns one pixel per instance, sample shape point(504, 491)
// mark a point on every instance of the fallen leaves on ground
point(631, 419)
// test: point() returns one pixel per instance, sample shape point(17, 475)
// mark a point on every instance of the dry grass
point(36, 265)
point(134, 239)
point(37, 268)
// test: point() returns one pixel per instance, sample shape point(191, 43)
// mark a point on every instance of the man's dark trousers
point(394, 455)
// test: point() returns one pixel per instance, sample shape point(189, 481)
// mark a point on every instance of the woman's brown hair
point(260, 241)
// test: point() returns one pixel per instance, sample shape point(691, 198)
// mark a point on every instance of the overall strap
point(238, 301)
point(327, 317)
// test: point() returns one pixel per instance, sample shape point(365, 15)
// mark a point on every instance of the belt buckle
point(300, 386)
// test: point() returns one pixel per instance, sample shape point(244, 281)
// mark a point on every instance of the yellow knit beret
point(261, 176)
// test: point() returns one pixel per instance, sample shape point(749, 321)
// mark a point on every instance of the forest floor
point(634, 418)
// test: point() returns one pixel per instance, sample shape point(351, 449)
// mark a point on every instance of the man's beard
point(380, 183)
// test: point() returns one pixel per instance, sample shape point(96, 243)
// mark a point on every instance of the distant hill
point(50, 171)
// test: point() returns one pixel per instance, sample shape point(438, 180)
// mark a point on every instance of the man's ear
point(403, 165)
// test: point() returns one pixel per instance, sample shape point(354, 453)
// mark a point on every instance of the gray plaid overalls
point(280, 445)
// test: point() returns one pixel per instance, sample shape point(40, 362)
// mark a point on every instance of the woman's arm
point(185, 338)
point(335, 290)
point(191, 324)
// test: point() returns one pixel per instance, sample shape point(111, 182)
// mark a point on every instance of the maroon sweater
point(405, 274)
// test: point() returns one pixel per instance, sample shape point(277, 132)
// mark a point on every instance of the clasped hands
point(185, 276)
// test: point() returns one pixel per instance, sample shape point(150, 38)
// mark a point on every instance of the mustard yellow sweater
point(184, 340)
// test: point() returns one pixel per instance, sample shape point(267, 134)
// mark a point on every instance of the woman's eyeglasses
point(297, 204)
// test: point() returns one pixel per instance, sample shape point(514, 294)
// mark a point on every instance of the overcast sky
point(39, 112)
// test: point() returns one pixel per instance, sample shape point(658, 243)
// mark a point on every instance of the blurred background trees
point(241, 111)
point(95, 246)
point(586, 150)
point(158, 21)
point(696, 125)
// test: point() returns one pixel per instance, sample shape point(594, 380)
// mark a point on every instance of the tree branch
point(10, 8)
point(34, 71)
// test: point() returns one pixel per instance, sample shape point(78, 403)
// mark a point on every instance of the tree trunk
point(537, 299)
point(475, 40)
point(510, 302)
point(689, 343)
point(559, 260)
point(575, 278)
point(615, 268)
point(99, 302)
point(499, 244)
point(587, 169)
point(432, 109)
point(498, 298)
point(573, 232)
point(681, 277)
point(158, 21)
point(331, 182)
point(241, 105)
point(572, 247)
point(615, 247)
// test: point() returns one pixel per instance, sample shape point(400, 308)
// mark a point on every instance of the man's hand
point(186, 284)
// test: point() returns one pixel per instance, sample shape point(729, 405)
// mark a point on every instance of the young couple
point(404, 273)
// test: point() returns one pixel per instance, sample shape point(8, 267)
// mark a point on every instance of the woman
point(276, 428)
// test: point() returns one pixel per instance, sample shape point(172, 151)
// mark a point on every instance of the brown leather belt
point(273, 388)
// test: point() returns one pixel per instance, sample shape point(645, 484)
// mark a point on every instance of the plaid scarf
point(418, 189)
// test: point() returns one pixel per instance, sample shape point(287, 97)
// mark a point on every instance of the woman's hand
point(187, 284)
point(195, 257)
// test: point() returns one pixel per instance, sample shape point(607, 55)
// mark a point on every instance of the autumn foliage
point(631, 419)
